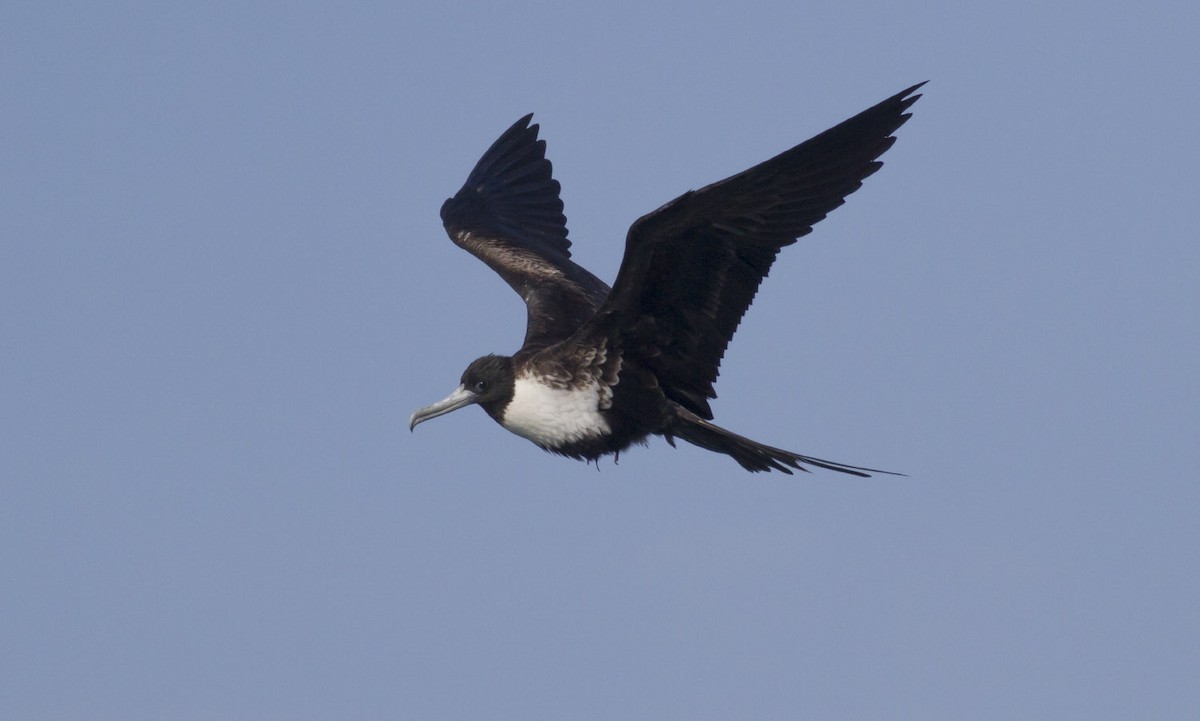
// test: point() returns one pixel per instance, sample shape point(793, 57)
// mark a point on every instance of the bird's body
point(601, 369)
point(555, 415)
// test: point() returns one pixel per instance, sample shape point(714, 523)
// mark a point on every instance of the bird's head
point(487, 382)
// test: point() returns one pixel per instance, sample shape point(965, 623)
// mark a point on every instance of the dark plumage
point(601, 369)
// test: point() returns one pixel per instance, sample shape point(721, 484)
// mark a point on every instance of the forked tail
point(751, 455)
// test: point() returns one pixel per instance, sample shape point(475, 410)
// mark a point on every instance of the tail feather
point(751, 455)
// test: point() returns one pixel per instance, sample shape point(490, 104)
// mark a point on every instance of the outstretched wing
point(692, 267)
point(508, 214)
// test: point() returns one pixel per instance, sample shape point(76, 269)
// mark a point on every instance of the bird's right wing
point(508, 214)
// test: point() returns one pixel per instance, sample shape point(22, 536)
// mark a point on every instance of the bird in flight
point(603, 368)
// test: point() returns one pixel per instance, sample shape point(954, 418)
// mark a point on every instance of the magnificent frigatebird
point(601, 368)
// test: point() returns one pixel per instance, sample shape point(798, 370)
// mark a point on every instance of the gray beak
point(459, 398)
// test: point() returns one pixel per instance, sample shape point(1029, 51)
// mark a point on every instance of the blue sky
point(224, 286)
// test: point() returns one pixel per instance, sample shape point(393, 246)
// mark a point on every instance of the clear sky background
point(224, 286)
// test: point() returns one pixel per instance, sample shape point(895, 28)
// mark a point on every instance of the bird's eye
point(480, 386)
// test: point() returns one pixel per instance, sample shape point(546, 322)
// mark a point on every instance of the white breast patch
point(554, 416)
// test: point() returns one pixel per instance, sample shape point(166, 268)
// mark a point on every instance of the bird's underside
point(601, 369)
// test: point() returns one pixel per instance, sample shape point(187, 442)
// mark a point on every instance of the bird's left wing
point(508, 214)
point(692, 267)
